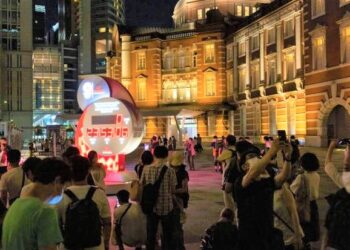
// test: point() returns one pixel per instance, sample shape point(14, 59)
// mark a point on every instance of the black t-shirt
point(255, 212)
point(224, 235)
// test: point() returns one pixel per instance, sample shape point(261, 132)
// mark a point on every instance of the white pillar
point(126, 60)
point(247, 61)
point(279, 42)
point(298, 44)
point(262, 56)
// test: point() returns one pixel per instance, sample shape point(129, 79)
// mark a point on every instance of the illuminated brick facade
point(327, 70)
point(251, 77)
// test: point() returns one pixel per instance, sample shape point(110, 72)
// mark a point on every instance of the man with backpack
point(30, 223)
point(338, 216)
point(158, 182)
point(14, 180)
point(129, 223)
point(84, 211)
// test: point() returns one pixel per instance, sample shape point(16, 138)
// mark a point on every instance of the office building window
point(289, 28)
point(345, 44)
point(141, 89)
point(141, 60)
point(210, 53)
point(242, 79)
point(318, 8)
point(271, 36)
point(289, 66)
point(241, 49)
point(255, 75)
point(271, 71)
point(239, 10)
point(199, 14)
point(255, 43)
point(318, 52)
point(210, 83)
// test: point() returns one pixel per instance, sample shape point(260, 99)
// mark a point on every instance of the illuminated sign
point(110, 124)
point(91, 90)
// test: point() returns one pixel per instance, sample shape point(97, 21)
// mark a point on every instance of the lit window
point(255, 75)
point(209, 53)
point(254, 9)
point(241, 49)
point(318, 8)
point(246, 11)
point(271, 71)
point(182, 59)
point(194, 59)
point(243, 120)
point(210, 83)
point(289, 66)
point(101, 47)
point(241, 79)
point(239, 10)
point(318, 52)
point(257, 118)
point(272, 118)
point(229, 82)
point(288, 28)
point(291, 114)
point(141, 60)
point(345, 44)
point(229, 52)
point(199, 14)
point(168, 61)
point(206, 10)
point(141, 89)
point(102, 30)
point(271, 36)
point(255, 43)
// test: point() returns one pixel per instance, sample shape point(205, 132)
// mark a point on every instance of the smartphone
point(282, 135)
point(345, 141)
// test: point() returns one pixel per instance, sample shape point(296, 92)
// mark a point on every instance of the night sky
point(150, 12)
point(138, 12)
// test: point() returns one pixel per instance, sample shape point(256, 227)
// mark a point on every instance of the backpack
point(232, 172)
point(83, 224)
point(338, 220)
point(302, 199)
point(150, 193)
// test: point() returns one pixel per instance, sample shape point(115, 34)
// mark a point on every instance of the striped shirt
point(167, 187)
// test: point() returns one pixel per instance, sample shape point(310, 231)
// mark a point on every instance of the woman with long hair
point(97, 171)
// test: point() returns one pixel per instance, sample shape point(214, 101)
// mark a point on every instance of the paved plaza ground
point(206, 200)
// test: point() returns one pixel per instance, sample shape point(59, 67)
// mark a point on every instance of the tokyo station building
point(240, 67)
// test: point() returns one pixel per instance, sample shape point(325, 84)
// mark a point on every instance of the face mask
point(346, 180)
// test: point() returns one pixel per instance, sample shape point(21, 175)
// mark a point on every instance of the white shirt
point(11, 182)
point(98, 175)
point(313, 180)
point(134, 226)
point(333, 173)
point(99, 198)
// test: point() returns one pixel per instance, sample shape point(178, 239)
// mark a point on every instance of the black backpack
point(338, 220)
point(150, 193)
point(82, 228)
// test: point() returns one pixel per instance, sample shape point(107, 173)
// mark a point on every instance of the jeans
point(167, 230)
point(178, 235)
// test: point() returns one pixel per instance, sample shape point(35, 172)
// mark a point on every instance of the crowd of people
point(270, 200)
